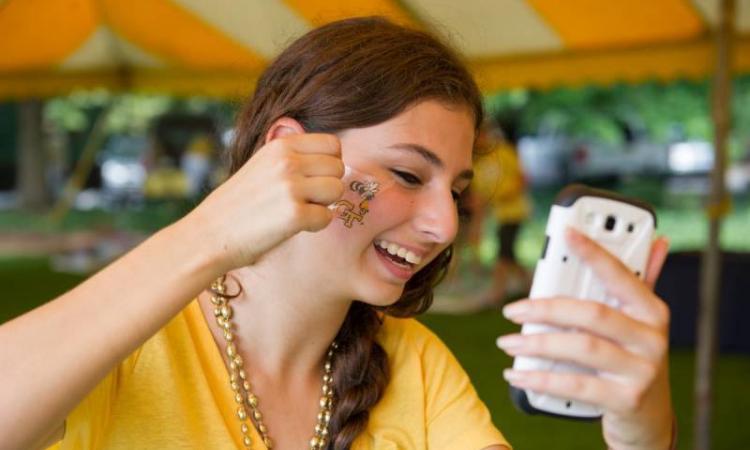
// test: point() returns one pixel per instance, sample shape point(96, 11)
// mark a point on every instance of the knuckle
point(333, 142)
point(597, 313)
point(317, 218)
point(650, 370)
point(288, 188)
point(278, 146)
point(659, 346)
point(295, 212)
point(288, 165)
point(589, 344)
point(633, 398)
point(337, 188)
point(340, 168)
point(663, 313)
point(573, 384)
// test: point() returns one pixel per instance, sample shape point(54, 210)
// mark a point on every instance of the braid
point(360, 375)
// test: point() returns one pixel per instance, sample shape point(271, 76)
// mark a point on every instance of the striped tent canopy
point(218, 47)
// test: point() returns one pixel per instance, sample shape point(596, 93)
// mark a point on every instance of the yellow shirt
point(173, 393)
point(499, 181)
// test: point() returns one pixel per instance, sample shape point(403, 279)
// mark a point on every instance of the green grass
point(30, 282)
point(148, 217)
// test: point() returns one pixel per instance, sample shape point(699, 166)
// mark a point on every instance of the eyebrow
point(430, 157)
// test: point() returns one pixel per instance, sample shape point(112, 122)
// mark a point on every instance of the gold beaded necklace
point(241, 386)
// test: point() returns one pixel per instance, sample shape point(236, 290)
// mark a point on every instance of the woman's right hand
point(283, 189)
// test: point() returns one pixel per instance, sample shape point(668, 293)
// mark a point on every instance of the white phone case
point(623, 226)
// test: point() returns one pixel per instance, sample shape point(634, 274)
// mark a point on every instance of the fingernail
point(509, 342)
point(511, 375)
point(516, 309)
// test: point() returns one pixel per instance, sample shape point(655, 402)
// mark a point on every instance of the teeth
point(412, 258)
point(396, 250)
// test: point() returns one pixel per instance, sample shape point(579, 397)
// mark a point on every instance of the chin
point(379, 294)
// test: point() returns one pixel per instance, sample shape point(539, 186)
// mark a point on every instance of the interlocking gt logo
point(345, 208)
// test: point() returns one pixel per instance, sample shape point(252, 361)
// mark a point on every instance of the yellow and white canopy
point(218, 47)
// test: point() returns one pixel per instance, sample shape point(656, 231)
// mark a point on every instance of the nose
point(437, 217)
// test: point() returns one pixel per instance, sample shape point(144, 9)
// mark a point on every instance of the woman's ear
point(283, 126)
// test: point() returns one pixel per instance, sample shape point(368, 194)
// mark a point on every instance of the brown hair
point(350, 74)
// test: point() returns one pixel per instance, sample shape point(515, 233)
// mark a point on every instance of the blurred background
point(114, 117)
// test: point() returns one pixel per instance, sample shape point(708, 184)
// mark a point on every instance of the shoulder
point(398, 336)
point(429, 391)
point(414, 351)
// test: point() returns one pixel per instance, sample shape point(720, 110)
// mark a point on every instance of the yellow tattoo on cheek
point(345, 208)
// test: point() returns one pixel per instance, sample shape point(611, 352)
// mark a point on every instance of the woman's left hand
point(629, 348)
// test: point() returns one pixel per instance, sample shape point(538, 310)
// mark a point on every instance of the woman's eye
point(407, 177)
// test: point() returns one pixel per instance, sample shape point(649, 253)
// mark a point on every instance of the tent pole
point(82, 169)
point(31, 159)
point(718, 206)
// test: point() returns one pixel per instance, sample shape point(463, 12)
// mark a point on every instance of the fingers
point(592, 317)
point(659, 251)
point(320, 190)
point(320, 143)
point(606, 393)
point(316, 165)
point(637, 297)
point(578, 348)
point(315, 217)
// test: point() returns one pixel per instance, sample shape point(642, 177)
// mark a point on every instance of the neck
point(284, 322)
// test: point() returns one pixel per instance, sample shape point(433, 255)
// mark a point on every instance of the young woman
point(272, 315)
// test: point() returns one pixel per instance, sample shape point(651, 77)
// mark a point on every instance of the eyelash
point(414, 180)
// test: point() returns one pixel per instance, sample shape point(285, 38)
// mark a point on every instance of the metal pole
point(718, 206)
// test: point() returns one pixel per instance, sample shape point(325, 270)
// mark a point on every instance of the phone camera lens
point(609, 224)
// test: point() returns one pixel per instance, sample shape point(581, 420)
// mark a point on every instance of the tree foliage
point(660, 111)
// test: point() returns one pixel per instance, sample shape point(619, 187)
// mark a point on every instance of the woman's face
point(422, 162)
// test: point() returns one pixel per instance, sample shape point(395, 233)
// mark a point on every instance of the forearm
point(50, 358)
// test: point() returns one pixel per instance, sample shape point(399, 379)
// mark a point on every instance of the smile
point(399, 255)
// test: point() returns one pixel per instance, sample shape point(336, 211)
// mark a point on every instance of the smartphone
point(624, 227)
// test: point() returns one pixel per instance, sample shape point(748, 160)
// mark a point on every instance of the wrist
point(660, 435)
point(203, 253)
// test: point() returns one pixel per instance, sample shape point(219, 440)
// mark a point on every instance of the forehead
point(446, 130)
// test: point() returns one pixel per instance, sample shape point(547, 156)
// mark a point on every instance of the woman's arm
point(51, 357)
point(54, 355)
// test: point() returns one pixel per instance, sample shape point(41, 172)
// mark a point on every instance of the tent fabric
point(219, 47)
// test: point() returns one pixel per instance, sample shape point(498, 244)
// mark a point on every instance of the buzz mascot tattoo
point(345, 208)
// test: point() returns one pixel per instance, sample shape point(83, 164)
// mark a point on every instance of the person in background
point(196, 164)
point(499, 190)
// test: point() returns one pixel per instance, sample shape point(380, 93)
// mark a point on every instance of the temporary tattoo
point(345, 208)
point(365, 189)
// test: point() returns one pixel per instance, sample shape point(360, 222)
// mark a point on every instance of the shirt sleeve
point(456, 417)
point(86, 425)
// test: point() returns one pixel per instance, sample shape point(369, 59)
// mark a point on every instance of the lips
point(396, 265)
point(404, 254)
